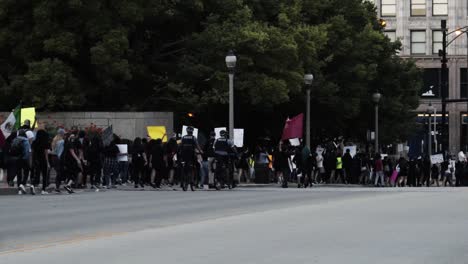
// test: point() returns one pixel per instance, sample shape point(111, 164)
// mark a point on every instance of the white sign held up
point(123, 149)
point(184, 131)
point(239, 137)
point(437, 159)
point(218, 130)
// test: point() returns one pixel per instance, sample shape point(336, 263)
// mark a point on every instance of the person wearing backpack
point(10, 161)
point(20, 151)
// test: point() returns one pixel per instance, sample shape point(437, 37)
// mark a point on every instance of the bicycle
point(222, 173)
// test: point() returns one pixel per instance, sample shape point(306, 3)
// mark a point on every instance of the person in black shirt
point(170, 152)
point(11, 161)
point(158, 163)
point(111, 166)
point(94, 160)
point(72, 163)
point(139, 161)
point(40, 151)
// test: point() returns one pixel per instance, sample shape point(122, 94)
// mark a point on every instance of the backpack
point(16, 149)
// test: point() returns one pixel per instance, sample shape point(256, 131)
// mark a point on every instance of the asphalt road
point(254, 225)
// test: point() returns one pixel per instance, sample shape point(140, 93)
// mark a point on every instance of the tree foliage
point(169, 55)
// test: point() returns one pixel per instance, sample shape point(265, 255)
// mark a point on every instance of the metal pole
point(376, 128)
point(444, 87)
point(429, 143)
point(435, 131)
point(231, 105)
point(308, 120)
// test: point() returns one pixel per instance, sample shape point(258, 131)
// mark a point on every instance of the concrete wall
point(127, 125)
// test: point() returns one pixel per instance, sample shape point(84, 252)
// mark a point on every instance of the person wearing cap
point(187, 148)
point(223, 148)
point(58, 144)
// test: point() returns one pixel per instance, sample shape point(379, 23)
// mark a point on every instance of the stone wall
point(127, 125)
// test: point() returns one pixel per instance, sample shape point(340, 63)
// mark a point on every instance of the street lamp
point(308, 79)
point(231, 61)
point(376, 98)
point(430, 110)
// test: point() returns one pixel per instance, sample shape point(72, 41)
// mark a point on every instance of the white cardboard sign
point(123, 149)
point(437, 159)
point(239, 137)
point(352, 150)
point(218, 130)
point(184, 131)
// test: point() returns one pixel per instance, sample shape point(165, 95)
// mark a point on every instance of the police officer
point(188, 145)
point(224, 148)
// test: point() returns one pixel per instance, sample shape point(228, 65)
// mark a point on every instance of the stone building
point(417, 24)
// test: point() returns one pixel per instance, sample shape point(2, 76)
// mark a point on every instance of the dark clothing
point(280, 161)
point(435, 172)
point(187, 149)
point(347, 161)
point(70, 164)
point(93, 156)
point(459, 172)
point(403, 167)
point(157, 157)
point(208, 152)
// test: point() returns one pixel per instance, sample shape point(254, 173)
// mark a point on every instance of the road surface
point(251, 225)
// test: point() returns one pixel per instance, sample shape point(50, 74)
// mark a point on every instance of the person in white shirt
point(320, 173)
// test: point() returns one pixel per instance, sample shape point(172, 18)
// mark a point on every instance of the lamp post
point(376, 98)
point(430, 110)
point(308, 79)
point(231, 61)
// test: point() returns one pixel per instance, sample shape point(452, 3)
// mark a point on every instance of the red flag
point(293, 127)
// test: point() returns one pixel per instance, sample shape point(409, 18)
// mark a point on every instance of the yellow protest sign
point(156, 132)
point(28, 114)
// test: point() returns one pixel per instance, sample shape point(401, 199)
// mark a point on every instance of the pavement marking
point(54, 243)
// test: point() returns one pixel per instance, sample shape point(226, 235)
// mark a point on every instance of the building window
point(463, 83)
point(418, 42)
point(440, 7)
point(437, 38)
point(391, 35)
point(418, 7)
point(388, 8)
point(432, 82)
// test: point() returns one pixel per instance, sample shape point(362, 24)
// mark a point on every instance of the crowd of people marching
point(79, 160)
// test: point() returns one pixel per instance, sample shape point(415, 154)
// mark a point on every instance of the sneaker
point(33, 190)
point(20, 192)
point(44, 192)
point(69, 189)
point(57, 191)
point(22, 189)
point(93, 187)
